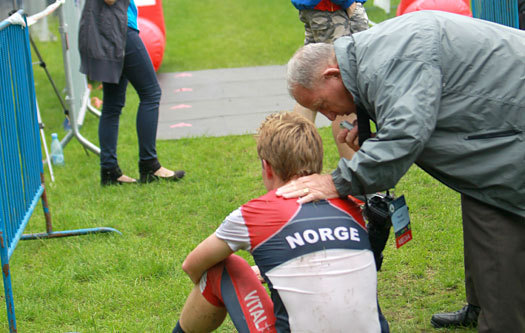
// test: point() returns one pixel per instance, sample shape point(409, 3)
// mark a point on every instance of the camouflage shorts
point(359, 19)
point(325, 27)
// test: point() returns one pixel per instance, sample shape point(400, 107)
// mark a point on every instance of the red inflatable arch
point(403, 4)
point(461, 7)
point(154, 41)
point(152, 29)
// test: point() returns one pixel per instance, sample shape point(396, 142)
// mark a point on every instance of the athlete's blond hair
point(291, 144)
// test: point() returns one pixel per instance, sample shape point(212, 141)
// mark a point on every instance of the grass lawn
point(133, 282)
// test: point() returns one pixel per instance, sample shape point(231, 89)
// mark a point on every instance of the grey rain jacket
point(102, 39)
point(448, 93)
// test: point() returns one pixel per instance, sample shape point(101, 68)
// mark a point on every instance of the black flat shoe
point(148, 168)
point(114, 176)
point(466, 317)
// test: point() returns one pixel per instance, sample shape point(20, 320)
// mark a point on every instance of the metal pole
point(43, 65)
point(69, 80)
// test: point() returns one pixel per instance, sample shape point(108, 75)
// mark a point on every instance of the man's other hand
point(349, 137)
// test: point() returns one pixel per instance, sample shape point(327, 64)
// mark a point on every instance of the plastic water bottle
point(57, 154)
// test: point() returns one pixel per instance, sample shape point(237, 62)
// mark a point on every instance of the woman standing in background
point(112, 52)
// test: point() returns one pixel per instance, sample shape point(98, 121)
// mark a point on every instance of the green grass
point(133, 282)
point(231, 33)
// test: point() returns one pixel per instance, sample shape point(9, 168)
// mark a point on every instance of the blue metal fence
point(21, 158)
point(21, 168)
point(499, 11)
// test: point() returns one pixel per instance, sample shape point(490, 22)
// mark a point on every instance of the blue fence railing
point(499, 11)
point(21, 158)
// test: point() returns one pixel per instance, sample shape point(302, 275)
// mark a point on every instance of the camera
point(376, 209)
point(379, 223)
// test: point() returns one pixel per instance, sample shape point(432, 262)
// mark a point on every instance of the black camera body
point(377, 214)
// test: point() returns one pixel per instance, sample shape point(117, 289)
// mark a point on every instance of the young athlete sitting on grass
point(315, 257)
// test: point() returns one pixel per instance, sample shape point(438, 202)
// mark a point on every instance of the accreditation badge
point(398, 211)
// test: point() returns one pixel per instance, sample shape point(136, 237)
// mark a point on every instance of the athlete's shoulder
point(267, 214)
point(351, 207)
point(269, 207)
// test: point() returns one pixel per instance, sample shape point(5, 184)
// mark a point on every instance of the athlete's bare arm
point(209, 252)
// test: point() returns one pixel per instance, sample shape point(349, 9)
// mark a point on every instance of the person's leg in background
point(139, 70)
point(108, 126)
point(307, 113)
point(228, 287)
point(358, 18)
point(494, 265)
point(494, 251)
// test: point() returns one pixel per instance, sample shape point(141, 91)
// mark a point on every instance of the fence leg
point(8, 289)
point(66, 233)
point(45, 206)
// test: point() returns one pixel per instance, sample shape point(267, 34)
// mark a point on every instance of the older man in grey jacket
point(447, 92)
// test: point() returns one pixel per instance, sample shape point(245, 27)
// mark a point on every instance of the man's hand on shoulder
point(309, 188)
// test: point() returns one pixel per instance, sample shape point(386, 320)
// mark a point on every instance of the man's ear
point(330, 72)
point(267, 169)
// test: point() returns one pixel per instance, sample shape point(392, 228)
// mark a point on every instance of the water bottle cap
point(54, 136)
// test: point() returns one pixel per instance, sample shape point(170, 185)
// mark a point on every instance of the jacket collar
point(346, 59)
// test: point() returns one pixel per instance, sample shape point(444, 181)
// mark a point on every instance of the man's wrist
point(341, 185)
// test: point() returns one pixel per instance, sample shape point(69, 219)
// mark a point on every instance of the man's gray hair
point(306, 63)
